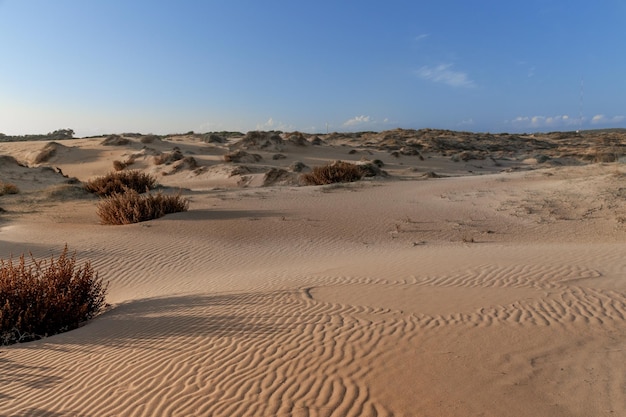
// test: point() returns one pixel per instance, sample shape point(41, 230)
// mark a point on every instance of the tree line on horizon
point(56, 135)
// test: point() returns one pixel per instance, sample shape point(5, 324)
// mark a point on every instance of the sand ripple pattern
point(262, 354)
point(551, 297)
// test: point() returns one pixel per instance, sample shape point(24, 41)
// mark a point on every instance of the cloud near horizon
point(444, 74)
point(545, 121)
point(600, 118)
point(561, 121)
point(271, 124)
point(358, 120)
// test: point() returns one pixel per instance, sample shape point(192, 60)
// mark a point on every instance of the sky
point(156, 66)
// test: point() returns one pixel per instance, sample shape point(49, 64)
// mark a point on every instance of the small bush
point(118, 182)
point(240, 156)
point(335, 172)
point(132, 207)
point(115, 140)
point(46, 297)
point(149, 139)
point(8, 188)
point(168, 158)
point(118, 165)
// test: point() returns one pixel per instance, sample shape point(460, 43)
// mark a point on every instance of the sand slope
point(500, 294)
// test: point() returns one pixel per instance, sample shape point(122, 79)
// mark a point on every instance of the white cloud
point(421, 37)
point(271, 124)
point(563, 121)
point(598, 118)
point(443, 73)
point(358, 120)
point(602, 119)
point(558, 121)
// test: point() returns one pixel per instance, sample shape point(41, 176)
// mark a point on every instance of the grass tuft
point(131, 207)
point(335, 172)
point(119, 182)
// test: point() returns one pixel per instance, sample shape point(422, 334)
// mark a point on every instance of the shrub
point(132, 207)
point(168, 158)
point(119, 165)
point(46, 297)
point(334, 172)
point(149, 139)
point(8, 188)
point(242, 156)
point(118, 182)
point(115, 140)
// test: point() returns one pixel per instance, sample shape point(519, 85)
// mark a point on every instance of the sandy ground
point(497, 289)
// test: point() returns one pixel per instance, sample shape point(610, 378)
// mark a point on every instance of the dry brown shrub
point(8, 188)
point(188, 162)
point(41, 298)
point(334, 172)
point(119, 165)
point(168, 158)
point(118, 182)
point(115, 140)
point(242, 156)
point(132, 207)
point(149, 139)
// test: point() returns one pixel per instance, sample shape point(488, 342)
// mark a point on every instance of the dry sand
point(498, 289)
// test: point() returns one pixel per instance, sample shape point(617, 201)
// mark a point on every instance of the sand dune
point(495, 292)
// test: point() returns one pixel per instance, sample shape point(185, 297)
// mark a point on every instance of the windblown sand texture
point(479, 275)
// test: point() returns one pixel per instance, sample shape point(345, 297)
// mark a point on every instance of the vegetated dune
point(483, 275)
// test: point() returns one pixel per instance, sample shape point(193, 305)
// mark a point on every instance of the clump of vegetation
point(213, 138)
point(242, 156)
point(56, 135)
point(8, 188)
point(371, 169)
point(149, 139)
point(41, 298)
point(121, 165)
point(131, 207)
point(119, 182)
point(168, 158)
point(115, 140)
point(335, 172)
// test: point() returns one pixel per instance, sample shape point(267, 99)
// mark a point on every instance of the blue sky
point(155, 66)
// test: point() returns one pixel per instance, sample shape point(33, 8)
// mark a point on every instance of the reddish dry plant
point(132, 207)
point(335, 172)
point(119, 182)
point(8, 188)
point(41, 298)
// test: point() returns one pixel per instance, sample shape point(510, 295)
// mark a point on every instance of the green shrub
point(132, 207)
point(43, 298)
point(118, 182)
point(334, 172)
